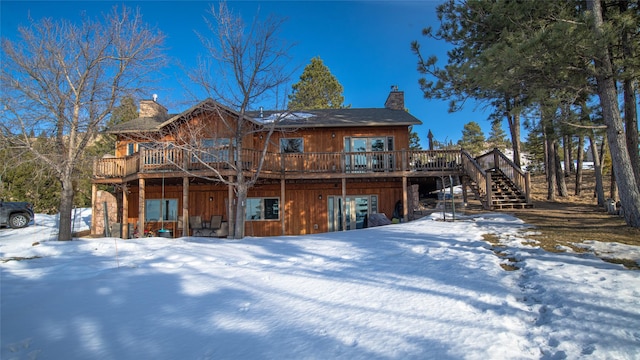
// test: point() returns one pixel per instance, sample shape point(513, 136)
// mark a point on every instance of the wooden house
point(317, 170)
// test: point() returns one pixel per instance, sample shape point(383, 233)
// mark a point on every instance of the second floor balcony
point(301, 165)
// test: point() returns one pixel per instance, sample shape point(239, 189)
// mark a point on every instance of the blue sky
point(365, 44)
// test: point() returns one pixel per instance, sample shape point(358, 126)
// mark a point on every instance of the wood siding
point(303, 210)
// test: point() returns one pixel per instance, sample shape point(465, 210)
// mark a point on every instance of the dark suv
point(15, 214)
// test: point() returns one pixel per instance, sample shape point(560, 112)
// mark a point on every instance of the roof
point(154, 124)
point(352, 117)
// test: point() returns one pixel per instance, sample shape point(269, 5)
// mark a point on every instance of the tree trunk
point(566, 147)
point(578, 190)
point(551, 171)
point(66, 207)
point(613, 188)
point(599, 190)
point(514, 129)
point(631, 127)
point(241, 211)
point(627, 185)
point(560, 175)
point(630, 110)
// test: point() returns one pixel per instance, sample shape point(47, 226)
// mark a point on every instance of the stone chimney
point(152, 109)
point(395, 100)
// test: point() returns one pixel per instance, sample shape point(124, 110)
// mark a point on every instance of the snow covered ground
point(426, 289)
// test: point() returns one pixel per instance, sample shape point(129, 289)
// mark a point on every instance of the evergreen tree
point(472, 138)
point(497, 137)
point(534, 146)
point(414, 140)
point(105, 143)
point(317, 89)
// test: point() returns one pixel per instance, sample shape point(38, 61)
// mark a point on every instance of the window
point(291, 145)
point(213, 150)
point(369, 161)
point(357, 209)
point(131, 148)
point(161, 209)
point(263, 209)
point(363, 144)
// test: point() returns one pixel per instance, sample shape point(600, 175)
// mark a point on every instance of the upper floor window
point(132, 148)
point(291, 145)
point(364, 144)
point(213, 150)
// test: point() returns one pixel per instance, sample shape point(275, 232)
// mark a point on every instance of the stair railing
point(521, 179)
point(481, 177)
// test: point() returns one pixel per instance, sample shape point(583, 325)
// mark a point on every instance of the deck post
point(405, 197)
point(404, 161)
point(282, 204)
point(231, 213)
point(465, 196)
point(141, 208)
point(94, 196)
point(185, 206)
point(489, 202)
point(527, 187)
point(344, 205)
point(124, 233)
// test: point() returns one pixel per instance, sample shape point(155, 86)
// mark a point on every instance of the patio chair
point(195, 223)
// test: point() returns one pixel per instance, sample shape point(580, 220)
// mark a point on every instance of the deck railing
point(176, 159)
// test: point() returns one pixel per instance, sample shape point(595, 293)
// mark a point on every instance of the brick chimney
point(395, 100)
point(152, 109)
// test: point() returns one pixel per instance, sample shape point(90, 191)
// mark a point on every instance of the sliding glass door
point(356, 211)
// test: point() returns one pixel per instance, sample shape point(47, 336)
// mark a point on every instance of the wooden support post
point(185, 206)
point(231, 212)
point(141, 208)
point(527, 187)
point(282, 205)
point(344, 205)
point(465, 196)
point(94, 195)
point(125, 213)
point(405, 197)
point(489, 203)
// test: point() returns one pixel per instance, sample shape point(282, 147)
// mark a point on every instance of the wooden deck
point(150, 163)
point(493, 178)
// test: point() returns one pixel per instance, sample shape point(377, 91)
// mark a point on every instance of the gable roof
point(156, 123)
point(353, 117)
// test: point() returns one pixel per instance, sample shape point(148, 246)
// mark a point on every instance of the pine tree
point(317, 89)
point(472, 138)
point(414, 140)
point(105, 143)
point(497, 137)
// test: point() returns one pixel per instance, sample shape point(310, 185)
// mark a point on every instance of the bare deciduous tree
point(243, 65)
point(63, 80)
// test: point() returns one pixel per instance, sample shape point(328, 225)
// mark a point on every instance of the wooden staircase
point(505, 194)
point(499, 184)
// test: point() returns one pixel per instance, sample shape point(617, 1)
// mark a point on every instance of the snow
point(425, 289)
